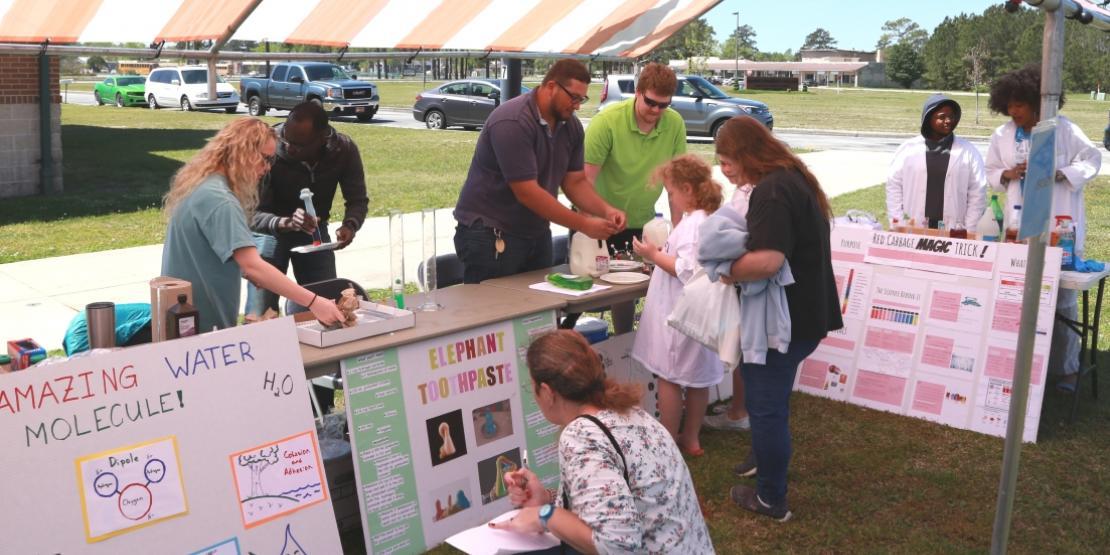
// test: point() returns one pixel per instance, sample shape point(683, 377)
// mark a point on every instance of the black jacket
point(340, 165)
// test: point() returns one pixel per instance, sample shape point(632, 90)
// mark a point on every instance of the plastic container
point(657, 230)
point(999, 217)
point(1065, 239)
point(1013, 225)
point(987, 228)
point(595, 330)
point(182, 319)
point(588, 256)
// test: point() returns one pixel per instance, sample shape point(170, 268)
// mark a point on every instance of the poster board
point(930, 329)
point(434, 426)
point(197, 445)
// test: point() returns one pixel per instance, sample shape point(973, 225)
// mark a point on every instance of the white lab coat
point(1076, 157)
point(964, 183)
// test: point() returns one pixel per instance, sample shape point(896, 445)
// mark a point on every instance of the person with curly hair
point(208, 242)
point(1018, 95)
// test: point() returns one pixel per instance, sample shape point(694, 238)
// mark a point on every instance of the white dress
point(661, 349)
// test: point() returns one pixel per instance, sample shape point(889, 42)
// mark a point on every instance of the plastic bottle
point(657, 230)
point(182, 319)
point(987, 228)
point(1013, 224)
point(996, 209)
point(399, 293)
point(1065, 233)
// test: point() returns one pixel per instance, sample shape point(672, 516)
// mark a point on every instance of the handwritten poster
point(129, 451)
point(930, 329)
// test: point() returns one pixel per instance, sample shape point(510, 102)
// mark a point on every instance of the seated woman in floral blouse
point(624, 487)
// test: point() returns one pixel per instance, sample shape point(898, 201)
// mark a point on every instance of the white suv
point(187, 87)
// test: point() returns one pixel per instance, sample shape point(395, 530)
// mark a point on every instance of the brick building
point(20, 156)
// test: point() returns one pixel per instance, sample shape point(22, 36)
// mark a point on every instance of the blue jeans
point(474, 245)
point(767, 390)
point(307, 268)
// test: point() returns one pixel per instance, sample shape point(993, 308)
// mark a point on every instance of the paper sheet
point(483, 540)
point(550, 288)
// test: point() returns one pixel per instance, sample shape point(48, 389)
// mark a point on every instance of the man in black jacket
point(310, 154)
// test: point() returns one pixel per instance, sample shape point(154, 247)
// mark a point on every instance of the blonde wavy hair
point(233, 153)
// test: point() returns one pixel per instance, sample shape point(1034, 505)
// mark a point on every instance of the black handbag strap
point(613, 440)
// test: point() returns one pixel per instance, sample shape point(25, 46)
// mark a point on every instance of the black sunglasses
point(655, 103)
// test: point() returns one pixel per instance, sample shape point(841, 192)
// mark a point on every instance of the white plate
point(625, 265)
point(305, 249)
point(624, 278)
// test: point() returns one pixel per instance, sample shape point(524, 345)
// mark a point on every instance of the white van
point(187, 87)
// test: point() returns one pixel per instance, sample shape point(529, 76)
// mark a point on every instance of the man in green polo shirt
point(624, 144)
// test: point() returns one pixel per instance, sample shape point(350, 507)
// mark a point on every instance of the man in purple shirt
point(529, 148)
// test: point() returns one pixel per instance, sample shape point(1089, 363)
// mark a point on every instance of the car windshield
point(198, 77)
point(325, 73)
point(705, 88)
point(124, 81)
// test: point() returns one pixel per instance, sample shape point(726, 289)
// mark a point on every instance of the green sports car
point(121, 91)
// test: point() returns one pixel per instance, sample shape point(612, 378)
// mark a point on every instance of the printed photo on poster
point(133, 486)
point(492, 422)
point(946, 401)
point(953, 306)
point(449, 500)
point(949, 352)
point(826, 375)
point(278, 478)
point(446, 437)
point(491, 475)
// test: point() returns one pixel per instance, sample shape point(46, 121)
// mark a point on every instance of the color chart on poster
point(436, 424)
point(930, 329)
point(198, 445)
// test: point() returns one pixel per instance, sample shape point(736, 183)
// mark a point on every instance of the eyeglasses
point(655, 103)
point(574, 99)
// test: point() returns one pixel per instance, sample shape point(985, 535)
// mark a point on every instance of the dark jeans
point(474, 244)
point(767, 398)
point(307, 268)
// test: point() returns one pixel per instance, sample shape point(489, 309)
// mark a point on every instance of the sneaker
point(723, 422)
point(746, 469)
point(746, 498)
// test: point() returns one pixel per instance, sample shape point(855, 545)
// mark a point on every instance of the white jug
point(657, 230)
point(588, 256)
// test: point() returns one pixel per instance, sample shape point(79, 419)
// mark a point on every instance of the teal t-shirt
point(627, 157)
point(204, 231)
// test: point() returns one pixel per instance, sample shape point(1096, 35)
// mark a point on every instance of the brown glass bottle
point(182, 319)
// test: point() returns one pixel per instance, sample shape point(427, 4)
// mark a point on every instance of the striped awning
point(623, 28)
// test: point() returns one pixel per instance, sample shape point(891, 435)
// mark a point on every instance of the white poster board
point(435, 425)
point(198, 445)
point(930, 329)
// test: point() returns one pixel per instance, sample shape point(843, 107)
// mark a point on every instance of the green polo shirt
point(627, 156)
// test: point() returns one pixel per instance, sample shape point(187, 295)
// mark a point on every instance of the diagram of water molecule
point(135, 499)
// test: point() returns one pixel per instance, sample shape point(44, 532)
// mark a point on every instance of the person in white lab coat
point(1018, 94)
point(937, 175)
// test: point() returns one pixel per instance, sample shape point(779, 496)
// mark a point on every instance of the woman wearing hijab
point(937, 176)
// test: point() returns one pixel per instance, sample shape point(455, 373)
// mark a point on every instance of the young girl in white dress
point(680, 363)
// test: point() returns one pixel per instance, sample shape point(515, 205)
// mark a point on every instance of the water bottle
point(987, 228)
point(1014, 224)
point(1065, 233)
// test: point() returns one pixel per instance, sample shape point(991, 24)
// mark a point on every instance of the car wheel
point(255, 107)
point(152, 102)
point(119, 100)
point(186, 106)
point(364, 116)
point(231, 109)
point(717, 128)
point(316, 101)
point(435, 119)
point(96, 97)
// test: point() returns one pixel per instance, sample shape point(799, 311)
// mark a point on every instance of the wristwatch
point(545, 514)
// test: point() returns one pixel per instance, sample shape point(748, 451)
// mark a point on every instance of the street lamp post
point(736, 51)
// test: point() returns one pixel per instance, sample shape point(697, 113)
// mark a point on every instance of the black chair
point(330, 288)
point(449, 271)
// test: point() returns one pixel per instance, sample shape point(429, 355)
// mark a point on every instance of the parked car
point(703, 106)
point(321, 82)
point(187, 87)
point(467, 102)
point(124, 91)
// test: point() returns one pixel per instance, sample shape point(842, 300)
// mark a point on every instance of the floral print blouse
point(656, 511)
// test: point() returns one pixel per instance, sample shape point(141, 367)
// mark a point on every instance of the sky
point(855, 24)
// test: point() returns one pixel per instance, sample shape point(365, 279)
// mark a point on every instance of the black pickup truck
point(290, 84)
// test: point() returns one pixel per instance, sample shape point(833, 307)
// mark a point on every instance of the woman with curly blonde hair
point(208, 242)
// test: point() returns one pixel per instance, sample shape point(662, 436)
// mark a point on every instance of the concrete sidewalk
point(38, 298)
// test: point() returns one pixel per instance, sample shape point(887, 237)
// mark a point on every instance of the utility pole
point(736, 47)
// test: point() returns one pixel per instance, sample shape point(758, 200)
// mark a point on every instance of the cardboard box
point(373, 319)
